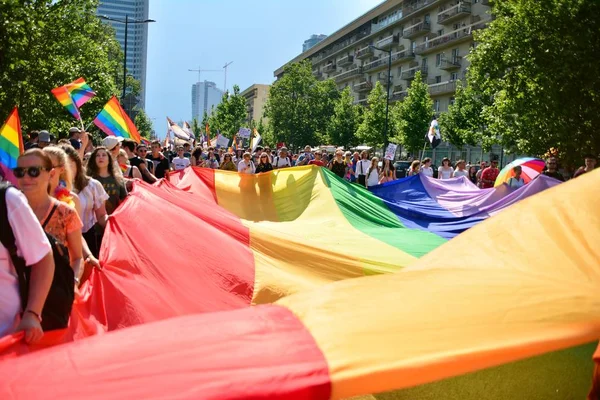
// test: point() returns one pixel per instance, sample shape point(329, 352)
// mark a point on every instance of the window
point(452, 100)
point(436, 105)
point(440, 32)
point(427, 19)
point(413, 46)
point(400, 70)
point(438, 79)
point(424, 62)
point(454, 55)
point(454, 76)
point(438, 59)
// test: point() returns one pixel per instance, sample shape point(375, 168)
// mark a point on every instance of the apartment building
point(431, 36)
point(256, 97)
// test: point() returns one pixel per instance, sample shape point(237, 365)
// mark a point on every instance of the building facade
point(137, 35)
point(431, 36)
point(205, 96)
point(312, 41)
point(256, 97)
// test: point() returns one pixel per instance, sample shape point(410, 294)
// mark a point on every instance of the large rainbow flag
point(73, 95)
point(450, 207)
point(11, 145)
point(114, 121)
point(512, 288)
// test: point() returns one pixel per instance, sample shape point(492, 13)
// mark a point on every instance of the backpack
point(58, 305)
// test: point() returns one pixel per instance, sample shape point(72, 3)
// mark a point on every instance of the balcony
point(329, 68)
point(449, 39)
point(409, 74)
point(416, 5)
point(439, 89)
point(318, 74)
point(363, 86)
point(383, 79)
point(346, 61)
point(376, 64)
point(362, 99)
point(454, 13)
point(450, 64)
point(365, 52)
point(398, 93)
point(416, 30)
point(403, 56)
point(388, 42)
point(348, 75)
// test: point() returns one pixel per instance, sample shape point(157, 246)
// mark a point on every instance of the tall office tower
point(205, 95)
point(313, 40)
point(137, 35)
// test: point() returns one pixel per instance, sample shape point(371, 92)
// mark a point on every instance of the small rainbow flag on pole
point(73, 95)
point(11, 145)
point(114, 121)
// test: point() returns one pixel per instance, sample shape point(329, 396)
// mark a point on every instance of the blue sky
point(258, 36)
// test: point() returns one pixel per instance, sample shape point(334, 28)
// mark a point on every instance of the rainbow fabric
point(11, 145)
point(73, 95)
point(114, 121)
point(509, 289)
point(451, 206)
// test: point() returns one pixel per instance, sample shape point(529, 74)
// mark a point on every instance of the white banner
point(222, 141)
point(244, 133)
point(390, 152)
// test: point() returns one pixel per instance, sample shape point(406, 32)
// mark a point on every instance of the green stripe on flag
point(369, 214)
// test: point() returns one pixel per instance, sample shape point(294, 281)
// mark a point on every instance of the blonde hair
point(123, 153)
point(59, 155)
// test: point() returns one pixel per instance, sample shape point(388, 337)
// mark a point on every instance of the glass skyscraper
point(205, 95)
point(137, 35)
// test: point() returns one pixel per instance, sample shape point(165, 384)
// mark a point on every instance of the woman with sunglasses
point(35, 174)
point(227, 164)
point(93, 211)
point(264, 164)
point(102, 168)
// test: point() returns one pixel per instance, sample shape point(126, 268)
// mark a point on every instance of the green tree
point(345, 121)
point(45, 44)
point(230, 115)
point(143, 123)
point(535, 79)
point(413, 115)
point(197, 128)
point(299, 107)
point(463, 123)
point(371, 131)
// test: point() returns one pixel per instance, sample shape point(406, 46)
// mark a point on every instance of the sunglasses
point(33, 172)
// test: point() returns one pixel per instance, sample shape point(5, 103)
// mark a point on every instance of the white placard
point(390, 152)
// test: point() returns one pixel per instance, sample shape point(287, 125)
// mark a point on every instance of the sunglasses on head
point(33, 172)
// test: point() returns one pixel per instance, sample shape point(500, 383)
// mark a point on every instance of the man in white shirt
point(246, 166)
point(282, 160)
point(180, 162)
point(460, 169)
point(32, 245)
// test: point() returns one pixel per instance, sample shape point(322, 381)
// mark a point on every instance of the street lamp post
point(387, 98)
point(127, 21)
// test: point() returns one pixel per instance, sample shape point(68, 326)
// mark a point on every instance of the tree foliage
point(198, 128)
point(45, 44)
point(371, 130)
point(143, 123)
point(413, 115)
point(345, 121)
point(299, 107)
point(534, 80)
point(230, 115)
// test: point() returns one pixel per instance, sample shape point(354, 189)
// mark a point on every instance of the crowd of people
point(67, 188)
